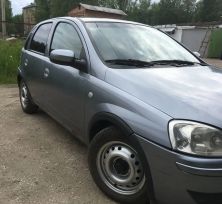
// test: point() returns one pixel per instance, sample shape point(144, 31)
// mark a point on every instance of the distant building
point(84, 10)
point(197, 38)
point(29, 17)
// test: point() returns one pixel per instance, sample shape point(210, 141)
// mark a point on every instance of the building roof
point(94, 19)
point(168, 30)
point(30, 6)
point(103, 9)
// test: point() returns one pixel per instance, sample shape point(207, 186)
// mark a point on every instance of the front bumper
point(182, 179)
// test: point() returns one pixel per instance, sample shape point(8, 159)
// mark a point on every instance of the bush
point(9, 60)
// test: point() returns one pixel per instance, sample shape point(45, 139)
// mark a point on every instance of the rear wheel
point(25, 99)
point(117, 167)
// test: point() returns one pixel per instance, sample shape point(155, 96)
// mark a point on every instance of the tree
point(172, 11)
point(198, 11)
point(188, 9)
point(154, 14)
point(169, 11)
point(42, 9)
point(58, 9)
point(17, 25)
point(208, 10)
point(139, 11)
point(163, 12)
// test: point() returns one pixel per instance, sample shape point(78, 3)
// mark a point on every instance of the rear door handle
point(46, 72)
point(26, 62)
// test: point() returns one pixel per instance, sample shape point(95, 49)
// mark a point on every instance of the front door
point(66, 85)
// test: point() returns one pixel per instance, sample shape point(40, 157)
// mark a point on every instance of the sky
point(17, 5)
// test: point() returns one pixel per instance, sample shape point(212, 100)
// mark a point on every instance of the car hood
point(192, 93)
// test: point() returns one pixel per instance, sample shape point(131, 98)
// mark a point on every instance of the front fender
point(138, 116)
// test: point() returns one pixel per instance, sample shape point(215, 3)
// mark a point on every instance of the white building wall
point(192, 38)
point(177, 35)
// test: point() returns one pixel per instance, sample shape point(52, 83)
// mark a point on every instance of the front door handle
point(46, 72)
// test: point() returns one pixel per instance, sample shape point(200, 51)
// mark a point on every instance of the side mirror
point(63, 57)
point(197, 54)
point(67, 57)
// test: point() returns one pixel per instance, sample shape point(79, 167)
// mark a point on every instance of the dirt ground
point(215, 62)
point(40, 162)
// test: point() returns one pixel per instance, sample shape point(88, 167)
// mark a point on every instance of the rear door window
point(39, 41)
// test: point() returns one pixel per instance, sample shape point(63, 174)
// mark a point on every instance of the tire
point(28, 106)
point(118, 167)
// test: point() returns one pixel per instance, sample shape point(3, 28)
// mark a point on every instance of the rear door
point(34, 60)
point(66, 85)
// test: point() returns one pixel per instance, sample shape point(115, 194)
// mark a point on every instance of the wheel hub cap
point(24, 95)
point(120, 168)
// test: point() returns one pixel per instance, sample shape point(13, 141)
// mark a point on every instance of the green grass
point(9, 60)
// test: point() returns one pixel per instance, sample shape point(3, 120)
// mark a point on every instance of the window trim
point(28, 40)
point(53, 34)
point(33, 35)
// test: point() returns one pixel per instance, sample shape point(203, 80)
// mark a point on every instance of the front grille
point(206, 198)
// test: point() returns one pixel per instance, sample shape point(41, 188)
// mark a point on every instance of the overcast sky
point(17, 5)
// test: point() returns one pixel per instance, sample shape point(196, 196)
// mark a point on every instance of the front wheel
point(117, 167)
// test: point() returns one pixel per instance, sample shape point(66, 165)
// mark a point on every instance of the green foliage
point(215, 48)
point(8, 11)
point(43, 10)
point(9, 60)
point(164, 12)
point(16, 26)
point(140, 11)
point(58, 9)
point(208, 10)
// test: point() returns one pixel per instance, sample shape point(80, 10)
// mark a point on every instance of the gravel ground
point(41, 163)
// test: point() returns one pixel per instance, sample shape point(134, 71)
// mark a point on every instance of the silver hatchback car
point(149, 109)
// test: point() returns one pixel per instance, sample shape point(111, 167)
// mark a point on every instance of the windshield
point(129, 41)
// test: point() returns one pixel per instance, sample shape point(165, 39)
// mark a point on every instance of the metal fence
point(18, 30)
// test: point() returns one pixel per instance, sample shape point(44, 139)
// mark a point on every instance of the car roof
point(87, 19)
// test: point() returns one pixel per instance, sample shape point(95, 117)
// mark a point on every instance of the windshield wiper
point(130, 62)
point(176, 62)
point(141, 63)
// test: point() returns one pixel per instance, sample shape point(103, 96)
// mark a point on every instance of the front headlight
point(195, 138)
